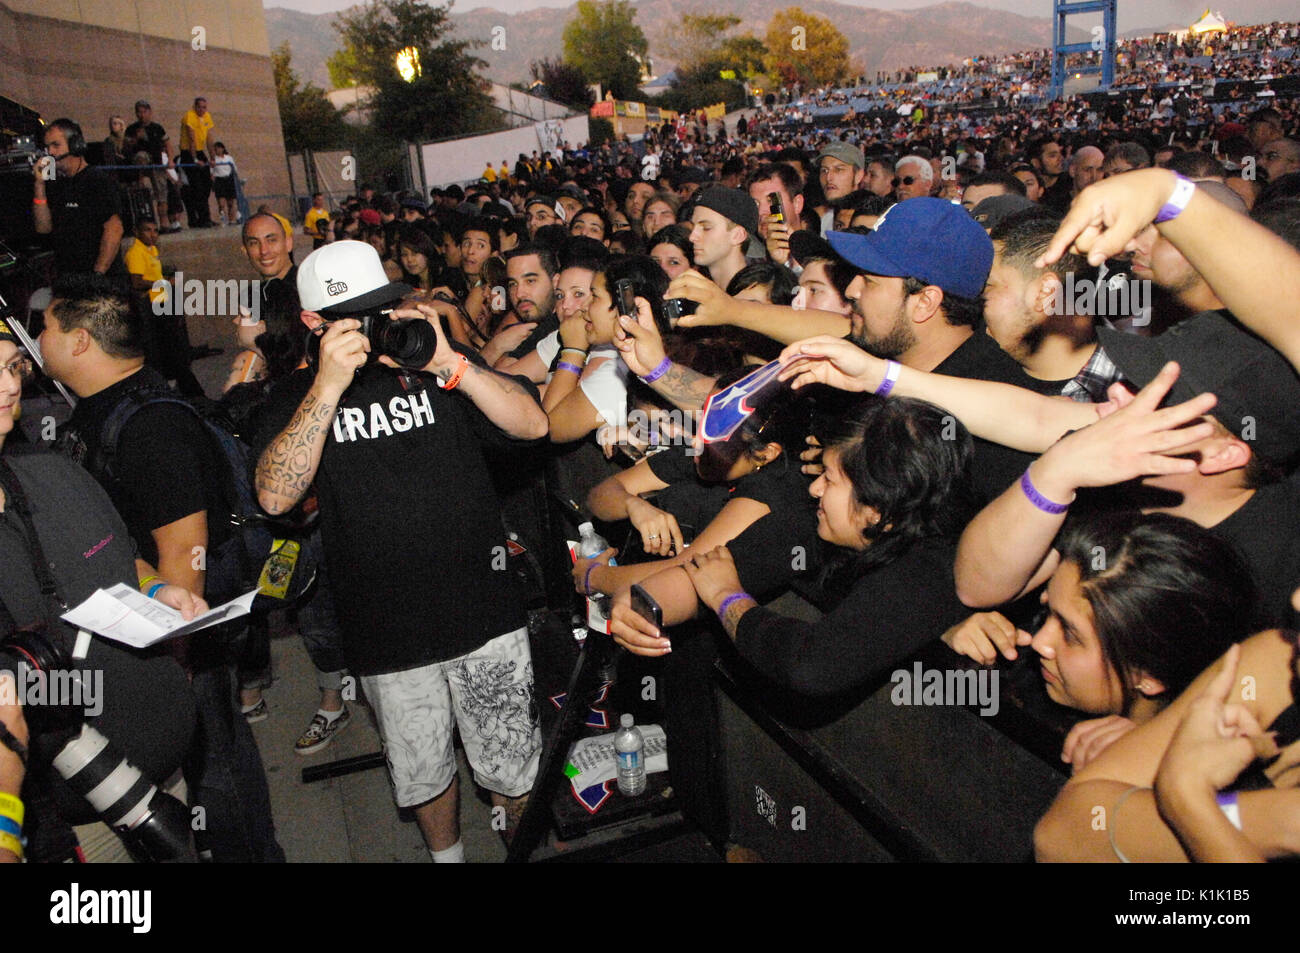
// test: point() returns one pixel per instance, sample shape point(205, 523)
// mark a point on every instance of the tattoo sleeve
point(288, 466)
point(686, 388)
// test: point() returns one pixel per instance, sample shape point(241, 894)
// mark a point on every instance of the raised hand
point(832, 361)
point(1139, 439)
point(1107, 215)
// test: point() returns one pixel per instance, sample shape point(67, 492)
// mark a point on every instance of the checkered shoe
point(321, 732)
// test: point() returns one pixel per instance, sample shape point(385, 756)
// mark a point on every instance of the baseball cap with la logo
point(346, 277)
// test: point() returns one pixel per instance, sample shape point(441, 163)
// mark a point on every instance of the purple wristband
point(1040, 501)
point(658, 372)
point(586, 580)
point(1227, 801)
point(1178, 199)
point(726, 603)
point(892, 370)
point(566, 366)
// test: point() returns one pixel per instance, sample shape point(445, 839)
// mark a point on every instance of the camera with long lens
point(154, 826)
point(410, 342)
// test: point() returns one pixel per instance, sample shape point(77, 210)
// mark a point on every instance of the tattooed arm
point(642, 347)
point(288, 465)
point(686, 388)
point(508, 404)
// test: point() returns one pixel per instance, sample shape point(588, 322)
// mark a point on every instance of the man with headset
point(78, 204)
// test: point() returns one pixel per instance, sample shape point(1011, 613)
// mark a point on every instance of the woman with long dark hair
point(893, 499)
point(1137, 608)
point(671, 249)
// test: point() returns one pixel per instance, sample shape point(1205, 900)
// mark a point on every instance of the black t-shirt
point(1047, 388)
point(995, 467)
point(1266, 531)
point(411, 524)
point(154, 137)
point(542, 328)
point(1060, 195)
point(79, 206)
point(773, 549)
point(889, 613)
point(166, 462)
point(148, 709)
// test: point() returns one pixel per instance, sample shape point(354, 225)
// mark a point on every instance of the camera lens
point(409, 342)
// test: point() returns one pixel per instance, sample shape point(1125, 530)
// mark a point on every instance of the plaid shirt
point(1090, 384)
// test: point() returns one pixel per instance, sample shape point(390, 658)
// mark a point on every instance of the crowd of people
point(1023, 385)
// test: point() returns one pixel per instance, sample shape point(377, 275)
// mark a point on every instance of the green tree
point(806, 48)
point(342, 66)
point(711, 64)
point(564, 83)
point(744, 54)
point(307, 119)
point(697, 40)
point(448, 97)
point(605, 44)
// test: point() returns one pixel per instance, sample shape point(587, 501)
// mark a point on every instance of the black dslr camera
point(410, 342)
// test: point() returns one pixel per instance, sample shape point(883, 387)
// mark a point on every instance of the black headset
point(72, 132)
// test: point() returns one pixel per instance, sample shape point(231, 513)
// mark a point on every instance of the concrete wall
point(89, 59)
point(461, 160)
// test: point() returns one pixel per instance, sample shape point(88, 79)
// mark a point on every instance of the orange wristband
point(40, 201)
point(451, 382)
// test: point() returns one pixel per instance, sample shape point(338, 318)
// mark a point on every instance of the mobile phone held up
point(774, 205)
point(625, 298)
point(644, 606)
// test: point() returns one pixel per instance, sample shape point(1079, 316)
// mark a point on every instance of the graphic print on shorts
point(498, 707)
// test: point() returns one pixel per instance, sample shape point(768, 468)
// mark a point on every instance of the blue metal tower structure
point(1104, 44)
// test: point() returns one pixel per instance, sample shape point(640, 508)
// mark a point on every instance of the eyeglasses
point(906, 180)
point(20, 368)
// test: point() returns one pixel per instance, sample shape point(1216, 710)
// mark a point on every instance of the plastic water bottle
point(629, 747)
point(591, 543)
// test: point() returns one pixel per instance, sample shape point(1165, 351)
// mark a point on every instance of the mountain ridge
point(878, 39)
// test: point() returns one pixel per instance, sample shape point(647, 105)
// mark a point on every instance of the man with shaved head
point(1085, 167)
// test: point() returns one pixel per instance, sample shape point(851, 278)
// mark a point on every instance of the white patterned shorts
point(490, 691)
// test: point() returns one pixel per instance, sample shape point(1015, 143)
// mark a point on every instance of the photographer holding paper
point(53, 514)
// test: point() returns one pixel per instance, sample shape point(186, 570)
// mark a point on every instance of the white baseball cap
point(346, 277)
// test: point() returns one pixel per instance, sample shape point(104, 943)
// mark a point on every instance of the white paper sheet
point(126, 615)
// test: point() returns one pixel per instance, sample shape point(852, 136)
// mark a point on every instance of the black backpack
point(235, 565)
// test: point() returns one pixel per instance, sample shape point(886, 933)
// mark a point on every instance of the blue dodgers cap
point(925, 238)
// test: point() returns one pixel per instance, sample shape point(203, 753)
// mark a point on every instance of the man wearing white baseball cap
point(432, 622)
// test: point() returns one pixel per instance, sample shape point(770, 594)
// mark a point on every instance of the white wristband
point(892, 370)
point(1228, 805)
